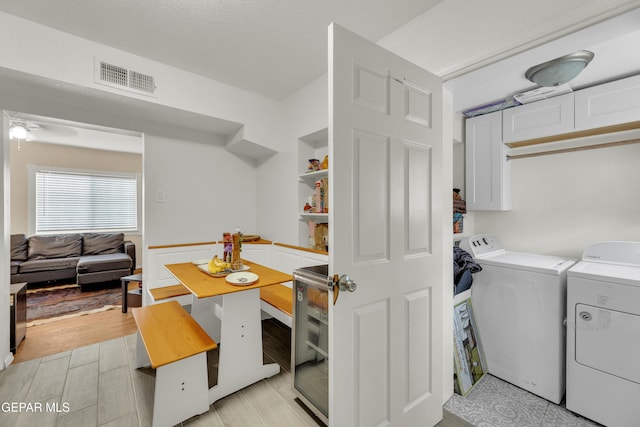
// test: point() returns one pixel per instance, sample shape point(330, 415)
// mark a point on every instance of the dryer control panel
point(481, 245)
point(622, 253)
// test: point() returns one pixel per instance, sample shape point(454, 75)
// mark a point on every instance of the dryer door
point(607, 340)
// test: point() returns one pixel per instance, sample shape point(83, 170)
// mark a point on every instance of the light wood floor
point(62, 335)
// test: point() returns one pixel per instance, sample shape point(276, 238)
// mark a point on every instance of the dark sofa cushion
point(19, 246)
point(104, 262)
point(102, 243)
point(56, 246)
point(48, 264)
point(15, 266)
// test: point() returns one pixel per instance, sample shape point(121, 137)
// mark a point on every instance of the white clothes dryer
point(519, 303)
point(603, 334)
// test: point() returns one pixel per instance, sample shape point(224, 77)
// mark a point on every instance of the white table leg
point(205, 312)
point(240, 361)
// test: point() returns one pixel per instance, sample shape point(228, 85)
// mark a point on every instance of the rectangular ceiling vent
point(123, 78)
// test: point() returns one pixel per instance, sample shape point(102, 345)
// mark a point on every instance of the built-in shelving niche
point(312, 146)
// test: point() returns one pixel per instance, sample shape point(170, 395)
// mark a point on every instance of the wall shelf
point(320, 218)
point(314, 176)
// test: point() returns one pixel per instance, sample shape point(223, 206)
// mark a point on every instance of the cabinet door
point(608, 104)
point(551, 116)
point(488, 173)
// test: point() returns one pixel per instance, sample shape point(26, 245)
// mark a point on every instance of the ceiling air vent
point(122, 78)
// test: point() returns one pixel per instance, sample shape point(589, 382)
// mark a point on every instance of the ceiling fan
point(22, 129)
point(26, 128)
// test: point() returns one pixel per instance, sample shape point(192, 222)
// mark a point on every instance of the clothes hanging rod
point(569, 150)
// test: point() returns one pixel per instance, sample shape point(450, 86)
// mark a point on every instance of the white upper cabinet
point(551, 116)
point(608, 104)
point(610, 107)
point(488, 178)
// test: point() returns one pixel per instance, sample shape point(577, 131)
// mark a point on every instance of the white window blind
point(73, 201)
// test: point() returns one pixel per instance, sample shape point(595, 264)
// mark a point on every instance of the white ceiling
point(269, 47)
point(275, 47)
point(614, 42)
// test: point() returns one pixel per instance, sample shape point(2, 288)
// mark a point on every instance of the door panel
point(372, 381)
point(371, 191)
point(386, 166)
point(417, 210)
point(607, 340)
point(370, 88)
point(418, 343)
point(417, 106)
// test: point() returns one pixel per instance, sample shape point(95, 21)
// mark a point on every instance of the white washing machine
point(519, 303)
point(603, 334)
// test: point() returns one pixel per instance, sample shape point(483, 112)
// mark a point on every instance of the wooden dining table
point(233, 320)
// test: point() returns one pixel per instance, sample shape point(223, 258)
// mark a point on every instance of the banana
point(219, 263)
point(216, 265)
point(212, 267)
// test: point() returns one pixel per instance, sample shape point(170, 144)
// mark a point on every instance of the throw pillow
point(55, 246)
point(102, 243)
point(18, 247)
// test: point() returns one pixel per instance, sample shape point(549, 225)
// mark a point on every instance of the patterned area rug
point(51, 304)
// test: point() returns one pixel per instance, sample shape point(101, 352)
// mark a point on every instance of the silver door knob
point(346, 284)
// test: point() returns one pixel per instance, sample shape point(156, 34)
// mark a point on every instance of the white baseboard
point(8, 360)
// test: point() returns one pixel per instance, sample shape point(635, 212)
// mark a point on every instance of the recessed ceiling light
point(559, 70)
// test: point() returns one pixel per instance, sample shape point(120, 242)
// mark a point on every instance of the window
point(66, 200)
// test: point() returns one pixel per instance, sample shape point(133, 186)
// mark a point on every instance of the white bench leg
point(181, 391)
point(142, 358)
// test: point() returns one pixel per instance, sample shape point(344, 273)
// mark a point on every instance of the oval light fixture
point(559, 70)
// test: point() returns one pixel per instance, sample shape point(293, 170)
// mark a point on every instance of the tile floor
point(496, 403)
point(96, 386)
point(101, 389)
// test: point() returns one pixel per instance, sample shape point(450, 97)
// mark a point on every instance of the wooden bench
point(277, 301)
point(166, 292)
point(175, 345)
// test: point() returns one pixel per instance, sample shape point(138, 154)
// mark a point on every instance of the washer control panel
point(481, 245)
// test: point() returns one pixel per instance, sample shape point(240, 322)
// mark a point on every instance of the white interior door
point(386, 175)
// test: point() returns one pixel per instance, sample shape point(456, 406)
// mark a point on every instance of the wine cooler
point(310, 338)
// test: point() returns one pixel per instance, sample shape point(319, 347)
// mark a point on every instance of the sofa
point(88, 258)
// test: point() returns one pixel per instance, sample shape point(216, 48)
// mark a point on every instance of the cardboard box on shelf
point(320, 236)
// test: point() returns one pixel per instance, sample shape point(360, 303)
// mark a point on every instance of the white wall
point(206, 191)
point(305, 112)
point(5, 227)
point(564, 202)
point(447, 244)
point(42, 51)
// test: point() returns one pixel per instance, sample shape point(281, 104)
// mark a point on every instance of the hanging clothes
point(463, 267)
